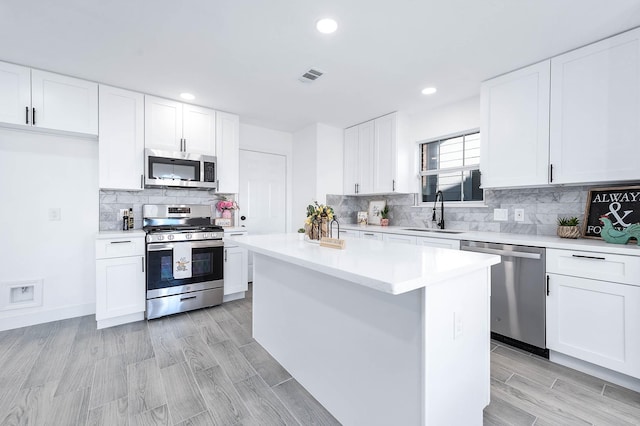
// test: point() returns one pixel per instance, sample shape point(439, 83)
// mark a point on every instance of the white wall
point(317, 168)
point(453, 118)
point(39, 172)
point(261, 139)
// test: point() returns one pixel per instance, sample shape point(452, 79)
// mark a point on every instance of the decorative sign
point(375, 207)
point(621, 205)
point(363, 218)
point(221, 221)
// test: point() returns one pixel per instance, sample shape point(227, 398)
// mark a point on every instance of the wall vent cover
point(311, 75)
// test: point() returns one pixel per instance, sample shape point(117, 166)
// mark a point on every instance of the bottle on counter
point(125, 221)
point(130, 218)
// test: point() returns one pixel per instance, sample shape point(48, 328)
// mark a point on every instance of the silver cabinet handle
point(120, 242)
point(502, 252)
point(393, 186)
point(225, 255)
point(589, 257)
point(141, 181)
point(182, 299)
point(235, 235)
point(142, 258)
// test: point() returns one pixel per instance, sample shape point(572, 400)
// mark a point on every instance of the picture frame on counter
point(620, 204)
point(375, 207)
point(221, 221)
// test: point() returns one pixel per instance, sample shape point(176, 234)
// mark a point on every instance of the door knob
point(243, 217)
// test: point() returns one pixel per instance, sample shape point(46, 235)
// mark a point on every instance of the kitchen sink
point(442, 231)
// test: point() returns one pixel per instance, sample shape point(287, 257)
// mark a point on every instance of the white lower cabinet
point(120, 280)
point(236, 271)
point(349, 233)
point(438, 242)
point(399, 238)
point(590, 319)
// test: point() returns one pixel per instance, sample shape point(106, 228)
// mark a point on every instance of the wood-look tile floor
point(204, 368)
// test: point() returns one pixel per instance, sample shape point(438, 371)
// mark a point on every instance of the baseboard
point(110, 322)
point(33, 318)
point(595, 370)
point(233, 296)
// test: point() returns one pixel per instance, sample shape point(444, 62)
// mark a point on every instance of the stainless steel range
point(185, 258)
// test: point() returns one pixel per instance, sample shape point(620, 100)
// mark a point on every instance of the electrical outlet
point(518, 215)
point(55, 214)
point(501, 214)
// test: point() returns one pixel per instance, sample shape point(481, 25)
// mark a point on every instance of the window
point(451, 165)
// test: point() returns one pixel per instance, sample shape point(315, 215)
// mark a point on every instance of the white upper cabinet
point(15, 94)
point(515, 128)
point(47, 100)
point(174, 126)
point(228, 152)
point(121, 139)
point(163, 124)
point(376, 157)
point(64, 103)
point(595, 111)
point(199, 129)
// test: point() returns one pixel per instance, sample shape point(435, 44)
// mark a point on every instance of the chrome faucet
point(440, 224)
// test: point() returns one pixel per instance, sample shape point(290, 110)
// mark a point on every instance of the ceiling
point(246, 56)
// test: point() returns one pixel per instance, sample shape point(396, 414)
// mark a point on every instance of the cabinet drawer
point(229, 243)
point(598, 266)
point(119, 247)
point(366, 235)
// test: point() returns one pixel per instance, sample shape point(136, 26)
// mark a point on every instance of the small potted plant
point(384, 216)
point(301, 233)
point(568, 227)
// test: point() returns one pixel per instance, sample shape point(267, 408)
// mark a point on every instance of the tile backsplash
point(542, 207)
point(112, 201)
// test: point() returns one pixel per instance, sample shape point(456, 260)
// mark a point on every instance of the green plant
point(568, 221)
point(384, 213)
point(301, 231)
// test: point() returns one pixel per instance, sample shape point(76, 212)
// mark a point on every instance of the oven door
point(207, 264)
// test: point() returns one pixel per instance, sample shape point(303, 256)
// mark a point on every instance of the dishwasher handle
point(508, 253)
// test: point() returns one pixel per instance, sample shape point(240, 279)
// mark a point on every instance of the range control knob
point(188, 236)
point(160, 237)
point(170, 237)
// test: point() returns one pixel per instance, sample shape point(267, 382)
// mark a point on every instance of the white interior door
point(262, 196)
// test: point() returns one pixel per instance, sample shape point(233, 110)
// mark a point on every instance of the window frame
point(421, 173)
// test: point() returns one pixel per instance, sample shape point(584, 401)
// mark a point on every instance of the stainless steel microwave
point(180, 169)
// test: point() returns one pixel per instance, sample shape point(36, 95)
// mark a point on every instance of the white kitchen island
point(379, 333)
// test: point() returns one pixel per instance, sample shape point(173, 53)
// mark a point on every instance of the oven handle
point(194, 244)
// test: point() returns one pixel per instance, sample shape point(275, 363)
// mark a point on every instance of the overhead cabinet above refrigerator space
point(47, 101)
point(378, 158)
point(569, 120)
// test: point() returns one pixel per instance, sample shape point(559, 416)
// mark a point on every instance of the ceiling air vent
point(311, 75)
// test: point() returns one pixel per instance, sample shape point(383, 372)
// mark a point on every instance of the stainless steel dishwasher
point(518, 294)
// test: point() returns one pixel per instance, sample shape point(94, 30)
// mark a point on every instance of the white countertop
point(388, 267)
point(230, 229)
point(547, 241)
point(133, 233)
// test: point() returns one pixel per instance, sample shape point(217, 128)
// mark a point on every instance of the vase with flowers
point(226, 208)
point(318, 218)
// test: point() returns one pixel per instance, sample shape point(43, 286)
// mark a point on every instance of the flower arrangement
point(226, 205)
point(315, 210)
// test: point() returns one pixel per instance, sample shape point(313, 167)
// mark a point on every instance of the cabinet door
point(121, 139)
point(228, 152)
point(385, 154)
point(15, 94)
point(398, 238)
point(349, 234)
point(64, 103)
point(120, 287)
point(235, 270)
point(596, 321)
point(515, 128)
point(595, 111)
point(366, 157)
point(199, 129)
point(351, 160)
point(438, 242)
point(162, 124)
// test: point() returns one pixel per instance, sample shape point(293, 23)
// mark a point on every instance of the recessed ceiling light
point(429, 90)
point(187, 96)
point(327, 25)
